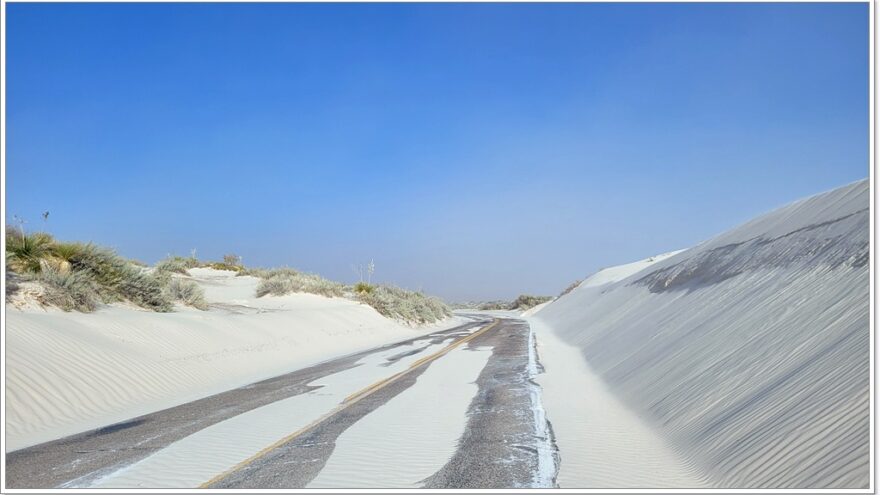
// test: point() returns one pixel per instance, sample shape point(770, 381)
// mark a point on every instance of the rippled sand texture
point(71, 372)
point(749, 352)
point(601, 443)
point(198, 458)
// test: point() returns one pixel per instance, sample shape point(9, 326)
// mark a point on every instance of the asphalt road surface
point(507, 442)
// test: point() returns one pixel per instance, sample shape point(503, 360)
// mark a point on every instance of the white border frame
point(872, 164)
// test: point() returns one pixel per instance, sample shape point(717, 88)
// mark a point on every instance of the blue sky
point(473, 151)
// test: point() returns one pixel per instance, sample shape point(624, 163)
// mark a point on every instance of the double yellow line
point(350, 401)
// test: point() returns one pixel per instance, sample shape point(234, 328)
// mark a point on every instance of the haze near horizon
point(472, 151)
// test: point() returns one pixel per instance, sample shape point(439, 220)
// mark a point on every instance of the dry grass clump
point(494, 306)
point(574, 285)
point(219, 265)
point(176, 264)
point(287, 280)
point(254, 272)
point(363, 288)
point(521, 303)
point(404, 305)
point(526, 301)
point(231, 262)
point(24, 252)
point(68, 290)
point(78, 276)
point(186, 291)
point(119, 280)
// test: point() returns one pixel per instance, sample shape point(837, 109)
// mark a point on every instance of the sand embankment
point(72, 372)
point(748, 354)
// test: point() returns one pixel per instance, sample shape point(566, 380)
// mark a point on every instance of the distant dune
point(748, 354)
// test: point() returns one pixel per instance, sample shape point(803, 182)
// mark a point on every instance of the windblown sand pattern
point(72, 372)
point(749, 352)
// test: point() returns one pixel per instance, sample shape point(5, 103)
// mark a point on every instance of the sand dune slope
point(72, 372)
point(750, 352)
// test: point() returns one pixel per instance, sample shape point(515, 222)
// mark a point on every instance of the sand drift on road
point(455, 408)
point(71, 372)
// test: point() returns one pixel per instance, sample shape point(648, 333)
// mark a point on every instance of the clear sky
point(472, 151)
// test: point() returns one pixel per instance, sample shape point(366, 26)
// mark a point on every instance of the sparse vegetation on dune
point(254, 272)
point(404, 305)
point(494, 306)
point(526, 301)
point(68, 290)
point(181, 265)
point(392, 302)
point(287, 280)
point(176, 264)
point(77, 276)
point(231, 263)
point(187, 292)
point(363, 288)
point(574, 285)
point(521, 303)
point(118, 279)
point(24, 252)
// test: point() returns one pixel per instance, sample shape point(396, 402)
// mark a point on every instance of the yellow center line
point(348, 402)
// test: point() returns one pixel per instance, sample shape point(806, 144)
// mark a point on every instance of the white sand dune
point(607, 276)
point(534, 309)
point(601, 443)
point(620, 272)
point(748, 354)
point(72, 372)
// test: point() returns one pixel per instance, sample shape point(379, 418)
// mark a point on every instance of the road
point(453, 409)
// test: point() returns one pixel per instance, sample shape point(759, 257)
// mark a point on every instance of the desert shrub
point(231, 262)
point(186, 291)
point(525, 301)
point(574, 285)
point(408, 306)
point(77, 276)
point(68, 290)
point(174, 264)
point(67, 251)
point(117, 279)
point(254, 272)
point(286, 281)
point(494, 305)
point(219, 265)
point(363, 288)
point(26, 253)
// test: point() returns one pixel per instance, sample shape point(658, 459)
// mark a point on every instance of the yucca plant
point(363, 288)
point(65, 253)
point(24, 252)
